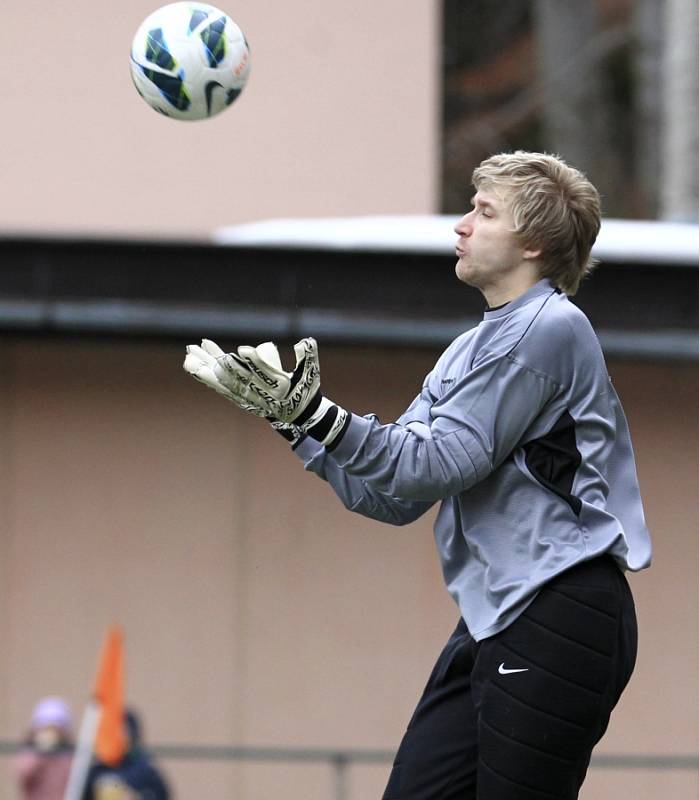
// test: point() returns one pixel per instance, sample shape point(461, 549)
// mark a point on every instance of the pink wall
point(257, 611)
point(340, 116)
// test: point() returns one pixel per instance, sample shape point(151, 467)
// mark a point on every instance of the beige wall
point(256, 610)
point(340, 116)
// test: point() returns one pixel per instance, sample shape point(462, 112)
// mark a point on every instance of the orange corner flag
point(111, 744)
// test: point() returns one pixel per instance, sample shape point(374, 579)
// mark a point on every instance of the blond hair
point(555, 209)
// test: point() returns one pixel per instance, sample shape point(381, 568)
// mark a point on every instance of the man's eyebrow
point(481, 201)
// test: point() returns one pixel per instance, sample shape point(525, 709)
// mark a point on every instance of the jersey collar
point(539, 289)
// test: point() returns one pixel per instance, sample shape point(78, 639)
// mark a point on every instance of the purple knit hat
point(52, 711)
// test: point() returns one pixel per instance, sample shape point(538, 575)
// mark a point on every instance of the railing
point(339, 760)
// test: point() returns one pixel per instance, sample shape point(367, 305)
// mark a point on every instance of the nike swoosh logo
point(502, 669)
point(209, 90)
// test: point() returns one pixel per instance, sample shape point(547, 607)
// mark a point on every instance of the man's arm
point(355, 493)
point(474, 428)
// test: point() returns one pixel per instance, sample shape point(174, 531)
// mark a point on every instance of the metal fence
point(340, 760)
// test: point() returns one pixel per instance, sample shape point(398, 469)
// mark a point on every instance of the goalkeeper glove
point(200, 362)
point(255, 376)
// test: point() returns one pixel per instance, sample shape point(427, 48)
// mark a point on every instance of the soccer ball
point(189, 60)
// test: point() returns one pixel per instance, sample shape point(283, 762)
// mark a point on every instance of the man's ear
point(531, 254)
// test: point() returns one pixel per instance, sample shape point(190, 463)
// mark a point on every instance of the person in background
point(135, 778)
point(42, 766)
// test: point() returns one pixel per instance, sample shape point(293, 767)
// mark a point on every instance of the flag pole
point(82, 756)
point(102, 729)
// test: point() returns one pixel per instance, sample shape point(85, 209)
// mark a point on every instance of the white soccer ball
point(189, 60)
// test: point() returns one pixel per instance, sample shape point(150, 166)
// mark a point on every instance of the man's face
point(487, 248)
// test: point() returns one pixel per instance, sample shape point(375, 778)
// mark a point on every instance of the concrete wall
point(340, 116)
point(257, 611)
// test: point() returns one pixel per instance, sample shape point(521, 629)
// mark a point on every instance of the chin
point(463, 274)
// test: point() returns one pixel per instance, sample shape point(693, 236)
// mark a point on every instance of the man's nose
point(463, 227)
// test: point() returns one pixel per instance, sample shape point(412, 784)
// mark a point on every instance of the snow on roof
point(619, 240)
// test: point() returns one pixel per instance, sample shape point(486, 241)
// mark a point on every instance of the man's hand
point(255, 376)
point(200, 363)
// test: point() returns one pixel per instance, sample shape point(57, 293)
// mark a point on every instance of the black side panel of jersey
point(554, 459)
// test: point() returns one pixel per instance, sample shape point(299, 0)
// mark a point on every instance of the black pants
point(515, 716)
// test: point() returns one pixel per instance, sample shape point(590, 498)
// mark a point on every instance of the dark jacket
point(136, 771)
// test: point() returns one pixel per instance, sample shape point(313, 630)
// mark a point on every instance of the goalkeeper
point(520, 436)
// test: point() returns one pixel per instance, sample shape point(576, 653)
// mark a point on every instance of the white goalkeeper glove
point(255, 376)
point(200, 362)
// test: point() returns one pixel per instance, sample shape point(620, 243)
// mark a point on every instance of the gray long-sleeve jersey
point(518, 432)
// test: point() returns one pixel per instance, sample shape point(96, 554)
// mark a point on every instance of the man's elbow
point(426, 489)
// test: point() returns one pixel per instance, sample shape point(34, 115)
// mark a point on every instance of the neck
point(510, 288)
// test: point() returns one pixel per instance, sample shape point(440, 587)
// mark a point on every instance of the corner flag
point(102, 731)
point(110, 744)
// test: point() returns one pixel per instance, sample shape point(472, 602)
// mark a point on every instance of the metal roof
point(385, 291)
point(644, 242)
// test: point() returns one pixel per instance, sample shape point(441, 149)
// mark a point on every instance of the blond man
point(520, 437)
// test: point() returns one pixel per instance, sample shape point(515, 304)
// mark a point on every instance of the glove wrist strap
point(327, 423)
point(292, 433)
